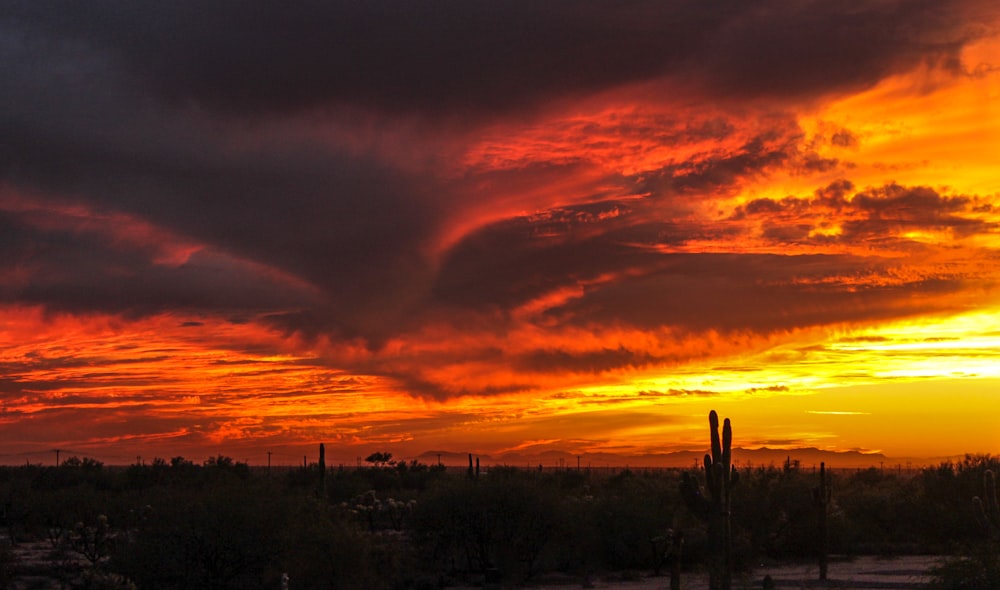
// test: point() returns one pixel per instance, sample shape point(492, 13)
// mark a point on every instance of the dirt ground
point(862, 573)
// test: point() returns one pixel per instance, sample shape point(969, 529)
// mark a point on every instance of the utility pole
point(269, 463)
point(57, 457)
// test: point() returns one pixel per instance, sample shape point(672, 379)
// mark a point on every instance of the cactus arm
point(727, 443)
point(713, 422)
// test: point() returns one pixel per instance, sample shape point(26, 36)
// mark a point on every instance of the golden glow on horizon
point(171, 376)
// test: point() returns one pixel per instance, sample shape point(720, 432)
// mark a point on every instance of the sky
point(505, 228)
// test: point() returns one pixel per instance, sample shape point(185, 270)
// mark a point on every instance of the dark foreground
point(222, 525)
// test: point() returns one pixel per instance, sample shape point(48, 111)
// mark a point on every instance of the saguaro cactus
point(322, 469)
point(986, 508)
point(720, 477)
point(821, 501)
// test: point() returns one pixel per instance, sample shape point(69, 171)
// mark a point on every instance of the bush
point(977, 569)
point(224, 537)
point(324, 548)
point(505, 520)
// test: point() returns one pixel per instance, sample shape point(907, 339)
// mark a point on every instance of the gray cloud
point(450, 57)
point(596, 361)
point(759, 292)
point(81, 271)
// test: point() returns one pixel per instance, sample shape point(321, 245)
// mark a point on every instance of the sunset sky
point(503, 228)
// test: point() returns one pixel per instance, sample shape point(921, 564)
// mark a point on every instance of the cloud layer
point(452, 201)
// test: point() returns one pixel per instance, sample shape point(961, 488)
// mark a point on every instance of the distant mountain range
point(807, 458)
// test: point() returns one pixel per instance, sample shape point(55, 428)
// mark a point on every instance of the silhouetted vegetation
point(977, 567)
point(396, 524)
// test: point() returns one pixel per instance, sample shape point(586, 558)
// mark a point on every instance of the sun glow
point(920, 127)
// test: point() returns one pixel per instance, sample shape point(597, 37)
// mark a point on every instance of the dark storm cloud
point(322, 218)
point(75, 128)
point(614, 272)
point(453, 57)
point(509, 263)
point(348, 225)
point(441, 56)
point(895, 207)
point(172, 113)
point(435, 389)
point(768, 150)
point(763, 293)
point(73, 270)
point(874, 213)
point(596, 361)
point(502, 268)
point(512, 263)
point(811, 46)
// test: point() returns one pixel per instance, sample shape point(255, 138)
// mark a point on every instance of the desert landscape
point(499, 294)
point(398, 525)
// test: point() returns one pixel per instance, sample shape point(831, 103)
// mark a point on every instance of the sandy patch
point(862, 573)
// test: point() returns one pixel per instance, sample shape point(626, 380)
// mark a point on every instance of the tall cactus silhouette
point(720, 477)
point(821, 501)
point(322, 469)
point(473, 473)
point(986, 508)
